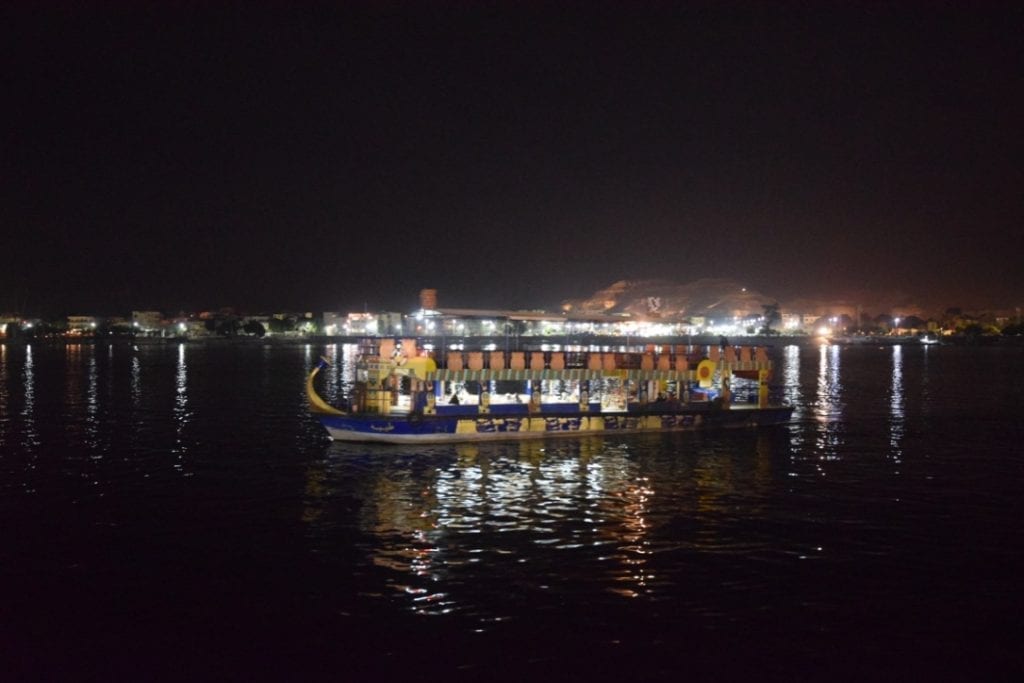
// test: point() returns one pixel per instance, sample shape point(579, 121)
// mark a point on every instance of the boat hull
point(400, 429)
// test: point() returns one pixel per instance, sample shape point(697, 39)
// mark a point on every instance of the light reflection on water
point(81, 396)
point(793, 394)
point(896, 407)
point(4, 409)
point(30, 439)
point(926, 380)
point(92, 405)
point(180, 412)
point(791, 380)
point(192, 477)
point(828, 405)
point(136, 381)
point(532, 515)
point(73, 398)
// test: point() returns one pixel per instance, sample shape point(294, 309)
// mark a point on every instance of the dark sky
point(183, 156)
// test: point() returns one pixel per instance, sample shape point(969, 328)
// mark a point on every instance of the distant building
point(334, 323)
point(81, 325)
point(370, 324)
point(183, 326)
point(148, 323)
point(792, 323)
point(8, 323)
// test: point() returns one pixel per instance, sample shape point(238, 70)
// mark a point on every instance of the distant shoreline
point(528, 343)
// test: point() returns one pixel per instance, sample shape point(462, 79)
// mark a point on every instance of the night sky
point(184, 157)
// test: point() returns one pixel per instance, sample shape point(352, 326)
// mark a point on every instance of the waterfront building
point(148, 323)
point(81, 325)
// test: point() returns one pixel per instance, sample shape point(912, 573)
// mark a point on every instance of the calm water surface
point(174, 512)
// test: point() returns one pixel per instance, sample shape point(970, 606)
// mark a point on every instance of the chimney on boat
point(428, 299)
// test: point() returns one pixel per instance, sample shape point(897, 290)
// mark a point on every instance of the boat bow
point(317, 404)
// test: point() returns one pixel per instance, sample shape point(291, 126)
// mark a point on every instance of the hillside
point(667, 299)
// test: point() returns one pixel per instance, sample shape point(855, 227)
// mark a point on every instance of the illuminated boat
point(402, 395)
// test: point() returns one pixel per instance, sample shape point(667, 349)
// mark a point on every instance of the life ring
point(705, 371)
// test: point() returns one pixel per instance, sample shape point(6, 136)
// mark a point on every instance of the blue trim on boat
point(471, 426)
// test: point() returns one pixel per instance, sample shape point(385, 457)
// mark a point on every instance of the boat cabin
point(396, 378)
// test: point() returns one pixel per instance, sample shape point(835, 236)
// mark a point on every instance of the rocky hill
point(724, 297)
point(667, 299)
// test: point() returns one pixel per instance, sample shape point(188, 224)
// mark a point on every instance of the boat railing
point(668, 358)
point(394, 383)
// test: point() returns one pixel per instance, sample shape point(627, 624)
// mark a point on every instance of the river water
point(172, 511)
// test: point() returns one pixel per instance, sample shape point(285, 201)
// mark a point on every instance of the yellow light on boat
point(824, 331)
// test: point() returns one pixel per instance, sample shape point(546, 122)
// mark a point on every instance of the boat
point(402, 394)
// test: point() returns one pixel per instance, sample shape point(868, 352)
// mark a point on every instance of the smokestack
point(428, 299)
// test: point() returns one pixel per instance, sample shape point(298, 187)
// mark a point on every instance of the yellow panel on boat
point(421, 366)
point(465, 427)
